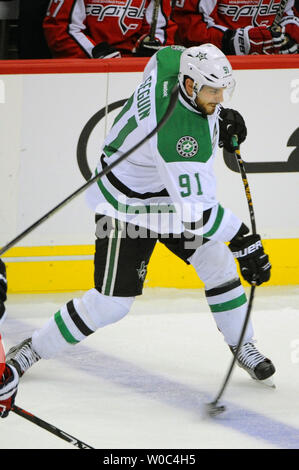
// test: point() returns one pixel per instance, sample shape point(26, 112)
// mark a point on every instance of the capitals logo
point(263, 8)
point(119, 9)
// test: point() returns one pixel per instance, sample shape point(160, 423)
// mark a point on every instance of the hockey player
point(165, 191)
point(238, 27)
point(9, 377)
point(101, 29)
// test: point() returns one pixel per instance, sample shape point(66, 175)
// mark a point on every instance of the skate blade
point(268, 383)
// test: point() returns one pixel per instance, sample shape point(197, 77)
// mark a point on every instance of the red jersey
point(202, 21)
point(2, 358)
point(73, 27)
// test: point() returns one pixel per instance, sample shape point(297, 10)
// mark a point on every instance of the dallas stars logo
point(202, 56)
point(142, 271)
point(187, 147)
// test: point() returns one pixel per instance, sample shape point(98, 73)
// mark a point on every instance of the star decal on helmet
point(202, 56)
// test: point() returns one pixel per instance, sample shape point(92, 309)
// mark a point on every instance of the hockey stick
point(43, 424)
point(278, 17)
point(154, 20)
point(107, 169)
point(213, 409)
point(276, 28)
point(49, 427)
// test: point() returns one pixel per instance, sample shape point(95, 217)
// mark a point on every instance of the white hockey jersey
point(168, 185)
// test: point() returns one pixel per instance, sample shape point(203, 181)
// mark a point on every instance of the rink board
point(52, 274)
point(54, 116)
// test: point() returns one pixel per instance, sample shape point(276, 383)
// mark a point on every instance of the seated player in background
point(238, 27)
point(82, 29)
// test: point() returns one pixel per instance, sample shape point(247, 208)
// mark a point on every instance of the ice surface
point(142, 383)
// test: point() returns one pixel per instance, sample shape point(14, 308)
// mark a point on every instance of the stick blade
point(213, 409)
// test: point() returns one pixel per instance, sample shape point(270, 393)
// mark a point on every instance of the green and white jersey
point(168, 185)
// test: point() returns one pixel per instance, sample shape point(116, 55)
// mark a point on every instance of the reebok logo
point(165, 89)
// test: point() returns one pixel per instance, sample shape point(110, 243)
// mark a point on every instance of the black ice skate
point(22, 356)
point(258, 366)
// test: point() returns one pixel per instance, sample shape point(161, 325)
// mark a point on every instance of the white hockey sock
point(216, 267)
point(228, 305)
point(78, 319)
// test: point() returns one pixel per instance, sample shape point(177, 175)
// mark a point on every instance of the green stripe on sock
point(229, 305)
point(63, 329)
point(218, 220)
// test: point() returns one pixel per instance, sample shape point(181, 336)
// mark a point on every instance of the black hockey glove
point(254, 263)
point(291, 27)
point(231, 123)
point(3, 288)
point(146, 47)
point(103, 50)
point(289, 46)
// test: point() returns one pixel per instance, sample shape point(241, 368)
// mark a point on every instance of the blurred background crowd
point(44, 29)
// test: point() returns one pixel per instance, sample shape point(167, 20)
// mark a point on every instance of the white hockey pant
point(216, 267)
